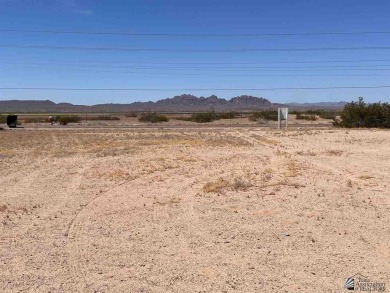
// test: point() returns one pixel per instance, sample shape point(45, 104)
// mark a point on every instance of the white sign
point(282, 115)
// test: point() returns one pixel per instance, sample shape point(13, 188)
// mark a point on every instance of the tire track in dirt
point(77, 225)
point(187, 226)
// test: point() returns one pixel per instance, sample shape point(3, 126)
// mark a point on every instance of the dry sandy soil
point(193, 210)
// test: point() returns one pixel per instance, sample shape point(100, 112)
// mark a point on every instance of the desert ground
point(193, 210)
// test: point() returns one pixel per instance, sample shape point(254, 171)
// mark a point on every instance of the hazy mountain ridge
point(185, 102)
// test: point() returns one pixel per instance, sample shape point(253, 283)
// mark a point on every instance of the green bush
point(152, 118)
point(359, 114)
point(204, 117)
point(65, 119)
point(310, 117)
point(264, 115)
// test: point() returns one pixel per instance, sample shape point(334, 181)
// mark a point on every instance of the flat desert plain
point(193, 210)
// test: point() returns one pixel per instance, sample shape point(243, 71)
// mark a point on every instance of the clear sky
point(27, 67)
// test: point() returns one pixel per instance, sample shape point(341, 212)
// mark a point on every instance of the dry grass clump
point(266, 176)
point(241, 184)
point(307, 153)
point(3, 208)
point(174, 200)
point(265, 139)
point(223, 141)
point(334, 152)
point(366, 177)
point(221, 184)
point(283, 183)
point(293, 169)
point(281, 153)
point(216, 186)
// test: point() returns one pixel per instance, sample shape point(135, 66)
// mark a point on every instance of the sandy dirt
point(193, 210)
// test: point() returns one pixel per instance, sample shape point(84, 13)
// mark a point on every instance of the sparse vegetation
point(328, 115)
point(360, 114)
point(228, 115)
point(36, 120)
point(366, 177)
point(65, 119)
point(183, 118)
point(222, 184)
point(325, 114)
point(103, 118)
point(152, 117)
point(240, 184)
point(3, 208)
point(204, 117)
point(269, 115)
point(334, 152)
point(307, 153)
point(309, 117)
point(3, 119)
point(132, 115)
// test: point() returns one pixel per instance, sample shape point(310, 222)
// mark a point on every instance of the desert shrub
point(103, 117)
point(264, 115)
point(327, 114)
point(204, 117)
point(3, 119)
point(183, 118)
point(313, 112)
point(65, 119)
point(359, 114)
point(131, 115)
point(36, 120)
point(227, 115)
point(309, 117)
point(152, 117)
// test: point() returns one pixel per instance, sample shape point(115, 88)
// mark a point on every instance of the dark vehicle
point(12, 121)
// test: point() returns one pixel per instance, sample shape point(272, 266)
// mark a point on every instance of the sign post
point(282, 115)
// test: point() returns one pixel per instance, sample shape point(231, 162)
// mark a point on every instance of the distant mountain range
point(183, 103)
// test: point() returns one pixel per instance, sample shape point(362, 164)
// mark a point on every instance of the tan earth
point(193, 210)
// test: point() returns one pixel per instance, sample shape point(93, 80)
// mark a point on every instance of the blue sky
point(112, 69)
